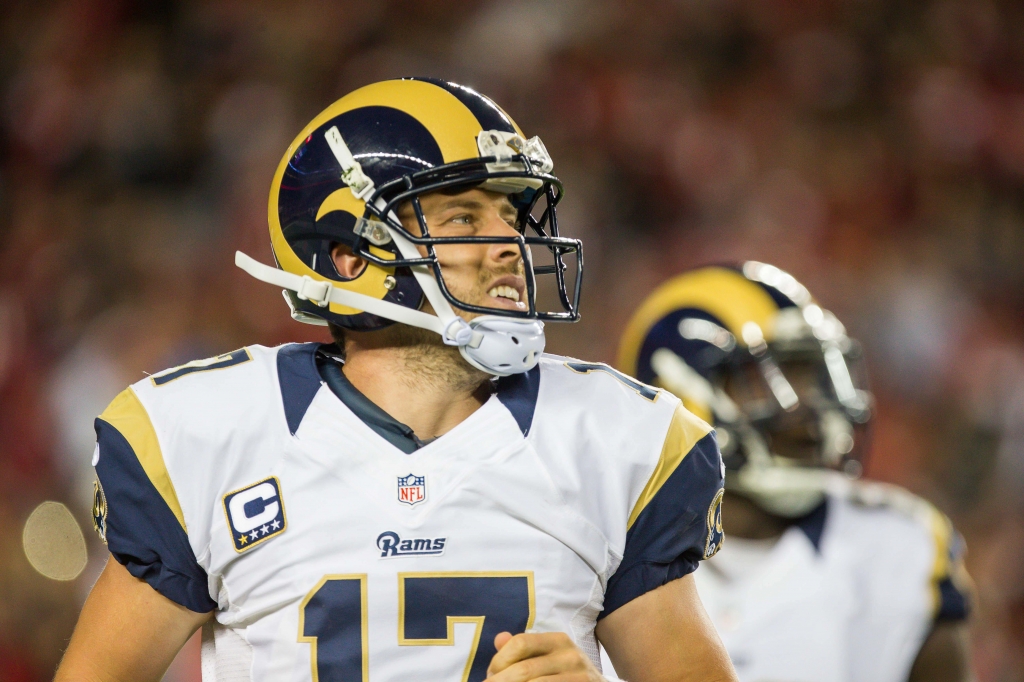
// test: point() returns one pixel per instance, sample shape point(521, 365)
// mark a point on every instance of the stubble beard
point(429, 358)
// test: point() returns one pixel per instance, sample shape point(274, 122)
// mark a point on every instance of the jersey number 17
point(333, 618)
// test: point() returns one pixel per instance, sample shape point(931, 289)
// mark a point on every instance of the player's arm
point(654, 626)
point(662, 636)
point(153, 594)
point(944, 656)
point(665, 635)
point(127, 632)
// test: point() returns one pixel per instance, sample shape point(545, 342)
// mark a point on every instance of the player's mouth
point(507, 292)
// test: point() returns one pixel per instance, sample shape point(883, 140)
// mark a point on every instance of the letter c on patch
point(264, 495)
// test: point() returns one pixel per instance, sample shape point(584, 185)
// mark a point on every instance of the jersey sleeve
point(137, 510)
point(677, 519)
point(951, 586)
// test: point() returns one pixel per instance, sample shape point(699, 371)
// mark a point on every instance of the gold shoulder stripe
point(942, 536)
point(129, 417)
point(945, 565)
point(683, 433)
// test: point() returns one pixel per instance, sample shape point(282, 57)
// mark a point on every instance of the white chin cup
point(787, 491)
point(506, 345)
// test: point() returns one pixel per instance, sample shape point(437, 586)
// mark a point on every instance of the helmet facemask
point(547, 258)
point(806, 391)
point(790, 412)
point(805, 394)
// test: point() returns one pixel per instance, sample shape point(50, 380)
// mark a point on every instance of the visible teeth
point(504, 292)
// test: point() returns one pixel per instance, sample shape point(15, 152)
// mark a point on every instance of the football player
point(824, 577)
point(432, 497)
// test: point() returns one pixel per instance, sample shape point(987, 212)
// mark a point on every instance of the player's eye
point(461, 219)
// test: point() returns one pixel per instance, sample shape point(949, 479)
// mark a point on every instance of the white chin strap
point(494, 344)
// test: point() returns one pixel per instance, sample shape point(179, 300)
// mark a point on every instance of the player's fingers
point(524, 646)
point(501, 639)
point(563, 665)
point(565, 677)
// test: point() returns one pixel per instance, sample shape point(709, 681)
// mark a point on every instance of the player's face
point(489, 275)
point(796, 433)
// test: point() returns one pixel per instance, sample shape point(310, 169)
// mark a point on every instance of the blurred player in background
point(824, 577)
point(429, 500)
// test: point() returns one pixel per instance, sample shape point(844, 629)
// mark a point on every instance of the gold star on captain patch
point(242, 539)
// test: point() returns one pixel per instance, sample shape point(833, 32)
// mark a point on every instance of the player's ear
point(347, 263)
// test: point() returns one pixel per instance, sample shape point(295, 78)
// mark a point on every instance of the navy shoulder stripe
point(299, 379)
point(954, 604)
point(670, 536)
point(518, 393)
point(142, 532)
point(954, 591)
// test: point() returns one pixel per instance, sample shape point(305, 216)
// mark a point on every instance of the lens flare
point(53, 542)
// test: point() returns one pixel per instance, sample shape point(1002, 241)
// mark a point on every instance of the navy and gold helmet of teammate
point(384, 145)
point(748, 349)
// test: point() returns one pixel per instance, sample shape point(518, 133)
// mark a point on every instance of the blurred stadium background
point(873, 148)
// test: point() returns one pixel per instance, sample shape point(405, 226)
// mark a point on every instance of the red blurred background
point(873, 148)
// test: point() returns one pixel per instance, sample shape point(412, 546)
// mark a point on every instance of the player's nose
point(503, 252)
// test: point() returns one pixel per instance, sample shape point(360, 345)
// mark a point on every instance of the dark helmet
point(346, 173)
point(749, 350)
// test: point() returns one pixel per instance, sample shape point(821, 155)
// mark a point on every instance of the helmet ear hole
point(352, 265)
point(329, 267)
point(515, 340)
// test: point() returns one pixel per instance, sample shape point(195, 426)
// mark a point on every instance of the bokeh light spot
point(53, 542)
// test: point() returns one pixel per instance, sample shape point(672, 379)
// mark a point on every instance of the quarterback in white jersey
point(825, 578)
point(431, 500)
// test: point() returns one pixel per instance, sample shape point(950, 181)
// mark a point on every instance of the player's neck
point(744, 519)
point(415, 379)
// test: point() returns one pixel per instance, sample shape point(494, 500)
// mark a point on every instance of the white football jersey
point(242, 484)
point(846, 595)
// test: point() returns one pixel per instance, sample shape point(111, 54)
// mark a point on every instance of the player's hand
point(548, 656)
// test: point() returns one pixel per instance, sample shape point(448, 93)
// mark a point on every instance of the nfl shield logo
point(412, 489)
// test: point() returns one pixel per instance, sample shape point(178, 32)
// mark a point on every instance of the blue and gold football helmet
point(748, 349)
point(384, 145)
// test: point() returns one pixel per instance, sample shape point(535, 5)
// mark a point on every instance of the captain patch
point(255, 513)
